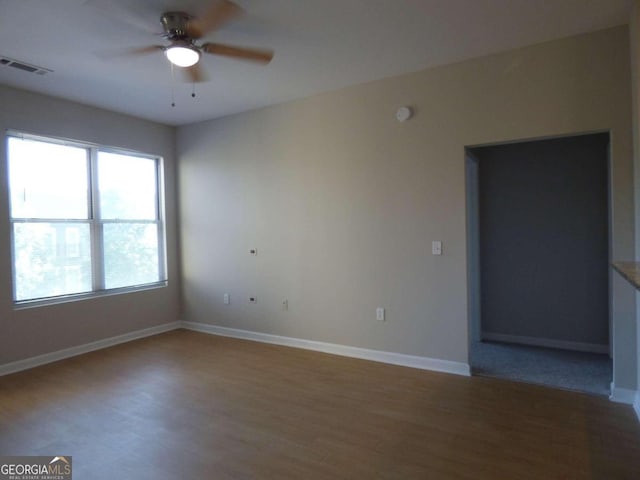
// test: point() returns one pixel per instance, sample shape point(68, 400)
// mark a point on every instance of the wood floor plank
point(190, 405)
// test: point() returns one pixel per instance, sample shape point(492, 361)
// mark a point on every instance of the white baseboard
point(623, 395)
point(424, 363)
point(545, 342)
point(27, 363)
point(620, 395)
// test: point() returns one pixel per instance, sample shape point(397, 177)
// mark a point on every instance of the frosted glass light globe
point(182, 56)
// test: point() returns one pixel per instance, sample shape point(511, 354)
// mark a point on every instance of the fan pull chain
point(173, 85)
point(193, 91)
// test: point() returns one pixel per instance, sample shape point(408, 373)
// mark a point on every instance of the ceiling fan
point(183, 30)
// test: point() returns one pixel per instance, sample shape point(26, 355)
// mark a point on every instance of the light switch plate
point(436, 247)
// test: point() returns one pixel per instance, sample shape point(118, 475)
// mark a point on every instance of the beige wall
point(34, 331)
point(342, 201)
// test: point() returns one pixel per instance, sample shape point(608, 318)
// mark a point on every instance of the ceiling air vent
point(10, 62)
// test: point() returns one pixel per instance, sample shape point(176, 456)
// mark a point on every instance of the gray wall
point(544, 239)
point(342, 201)
point(35, 331)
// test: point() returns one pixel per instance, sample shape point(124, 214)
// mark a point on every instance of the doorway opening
point(538, 240)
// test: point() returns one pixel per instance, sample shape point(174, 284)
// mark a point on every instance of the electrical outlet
point(285, 305)
point(436, 247)
point(226, 298)
point(380, 314)
point(253, 299)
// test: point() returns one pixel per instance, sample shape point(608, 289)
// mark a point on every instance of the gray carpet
point(583, 372)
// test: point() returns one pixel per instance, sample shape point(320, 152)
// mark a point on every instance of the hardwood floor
point(191, 405)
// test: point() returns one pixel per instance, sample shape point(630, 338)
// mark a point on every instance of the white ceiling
point(320, 45)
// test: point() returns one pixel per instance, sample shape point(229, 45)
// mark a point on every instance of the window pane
point(127, 187)
point(47, 180)
point(51, 259)
point(130, 254)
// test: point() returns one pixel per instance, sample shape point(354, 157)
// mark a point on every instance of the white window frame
point(95, 223)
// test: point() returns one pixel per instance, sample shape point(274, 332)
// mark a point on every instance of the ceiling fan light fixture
point(182, 56)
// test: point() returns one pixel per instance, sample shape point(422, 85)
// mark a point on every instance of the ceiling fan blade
point(241, 53)
point(219, 13)
point(129, 52)
point(195, 73)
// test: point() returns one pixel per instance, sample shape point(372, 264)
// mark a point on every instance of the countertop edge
point(630, 271)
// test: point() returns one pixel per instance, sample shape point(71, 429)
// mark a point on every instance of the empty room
point(320, 239)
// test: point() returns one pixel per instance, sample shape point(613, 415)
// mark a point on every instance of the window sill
point(43, 302)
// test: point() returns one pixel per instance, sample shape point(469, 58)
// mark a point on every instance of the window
point(84, 218)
